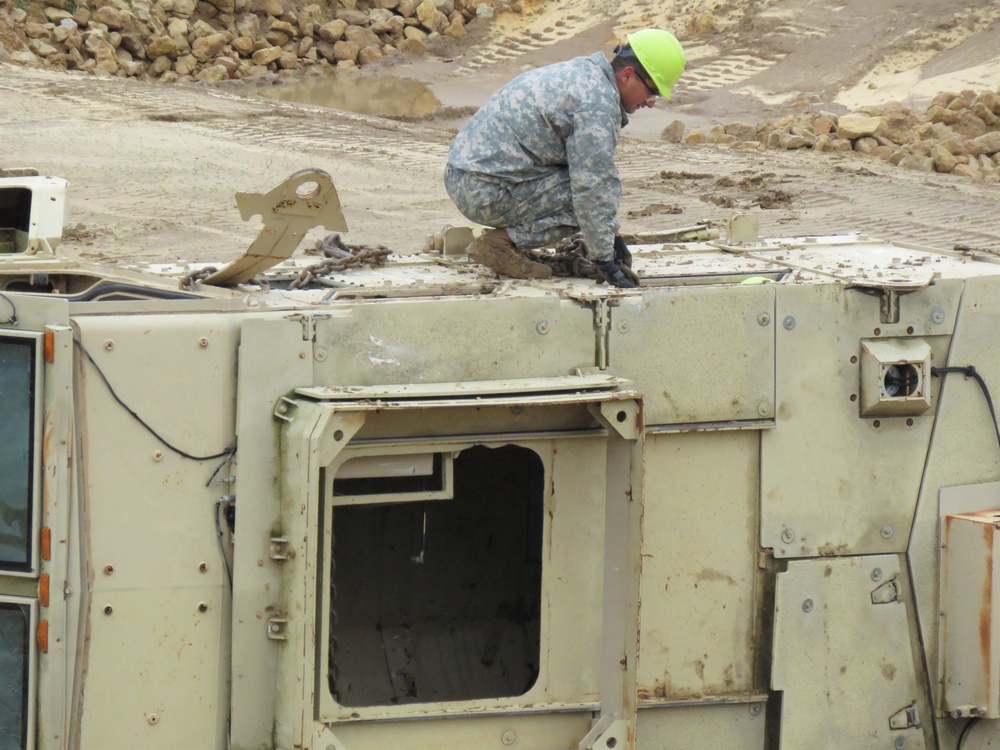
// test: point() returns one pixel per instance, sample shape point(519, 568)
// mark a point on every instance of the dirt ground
point(153, 168)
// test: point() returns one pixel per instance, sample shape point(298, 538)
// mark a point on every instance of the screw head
point(542, 326)
point(508, 738)
point(937, 316)
point(152, 719)
point(886, 531)
point(764, 318)
point(320, 354)
point(109, 569)
point(203, 342)
point(877, 574)
point(900, 743)
point(807, 605)
point(764, 409)
point(788, 536)
point(788, 323)
point(624, 326)
point(109, 345)
point(756, 709)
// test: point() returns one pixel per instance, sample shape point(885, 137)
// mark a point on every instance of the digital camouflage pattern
point(538, 157)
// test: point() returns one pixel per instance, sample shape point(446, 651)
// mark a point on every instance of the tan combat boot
point(494, 249)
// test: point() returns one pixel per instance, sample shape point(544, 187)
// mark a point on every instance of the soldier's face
point(635, 92)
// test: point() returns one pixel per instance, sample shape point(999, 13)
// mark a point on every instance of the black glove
point(622, 255)
point(614, 274)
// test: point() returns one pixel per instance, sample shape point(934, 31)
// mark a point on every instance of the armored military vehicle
point(360, 502)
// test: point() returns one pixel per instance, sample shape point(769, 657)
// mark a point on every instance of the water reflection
point(386, 97)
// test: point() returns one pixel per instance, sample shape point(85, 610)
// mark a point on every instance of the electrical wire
point(965, 730)
point(227, 452)
point(970, 372)
point(12, 320)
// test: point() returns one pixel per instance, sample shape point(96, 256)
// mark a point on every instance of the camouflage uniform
point(538, 158)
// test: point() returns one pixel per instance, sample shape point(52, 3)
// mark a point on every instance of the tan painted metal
point(412, 506)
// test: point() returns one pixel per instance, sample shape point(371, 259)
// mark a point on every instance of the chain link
point(189, 280)
point(339, 257)
point(569, 259)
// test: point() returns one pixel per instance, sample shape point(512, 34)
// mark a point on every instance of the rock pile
point(957, 134)
point(212, 40)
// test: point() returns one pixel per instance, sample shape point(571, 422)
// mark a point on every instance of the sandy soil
point(153, 169)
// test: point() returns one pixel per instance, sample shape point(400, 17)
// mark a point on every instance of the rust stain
point(888, 671)
point(986, 609)
point(699, 668)
point(829, 550)
point(827, 571)
point(710, 574)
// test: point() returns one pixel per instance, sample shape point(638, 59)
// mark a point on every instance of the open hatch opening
point(440, 601)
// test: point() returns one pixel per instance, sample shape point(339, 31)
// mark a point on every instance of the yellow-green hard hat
point(661, 55)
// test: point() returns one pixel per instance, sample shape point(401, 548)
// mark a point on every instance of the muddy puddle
point(383, 97)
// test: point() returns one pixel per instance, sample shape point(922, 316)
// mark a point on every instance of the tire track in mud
point(811, 194)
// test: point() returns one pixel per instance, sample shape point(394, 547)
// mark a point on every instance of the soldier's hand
point(614, 274)
point(623, 255)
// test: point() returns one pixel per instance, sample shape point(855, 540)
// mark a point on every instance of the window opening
point(15, 218)
point(440, 601)
point(17, 450)
point(15, 631)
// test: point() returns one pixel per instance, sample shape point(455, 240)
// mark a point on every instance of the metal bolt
point(108, 609)
point(203, 567)
point(109, 569)
point(789, 323)
point(900, 743)
point(937, 316)
point(764, 409)
point(788, 536)
point(508, 738)
point(764, 318)
point(877, 574)
point(756, 709)
point(542, 326)
point(282, 408)
point(109, 345)
point(624, 326)
point(203, 342)
point(203, 607)
point(886, 531)
point(320, 354)
point(152, 719)
point(807, 605)
point(157, 455)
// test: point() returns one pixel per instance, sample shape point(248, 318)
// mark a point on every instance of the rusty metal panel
point(697, 727)
point(156, 705)
point(699, 354)
point(699, 566)
point(451, 340)
point(963, 463)
point(969, 638)
point(843, 656)
point(833, 482)
point(525, 732)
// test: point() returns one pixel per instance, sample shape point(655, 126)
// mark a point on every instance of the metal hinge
point(277, 629)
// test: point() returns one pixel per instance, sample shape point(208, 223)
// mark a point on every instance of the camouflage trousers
point(535, 213)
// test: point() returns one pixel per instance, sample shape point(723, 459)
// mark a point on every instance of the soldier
point(537, 160)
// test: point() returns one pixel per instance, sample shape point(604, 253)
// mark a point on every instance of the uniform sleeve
point(594, 182)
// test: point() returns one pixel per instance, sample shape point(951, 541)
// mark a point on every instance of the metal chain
point(189, 280)
point(339, 257)
point(570, 259)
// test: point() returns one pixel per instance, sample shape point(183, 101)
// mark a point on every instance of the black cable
point(965, 730)
point(970, 372)
point(222, 544)
point(12, 320)
point(227, 452)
